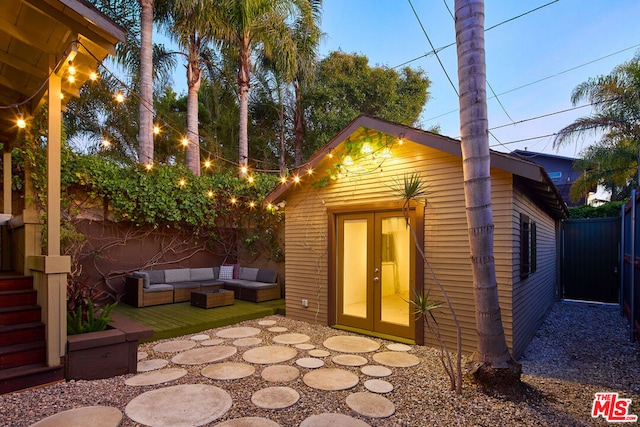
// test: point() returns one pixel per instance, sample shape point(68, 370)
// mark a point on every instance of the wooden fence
point(630, 264)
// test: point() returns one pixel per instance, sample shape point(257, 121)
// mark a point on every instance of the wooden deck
point(172, 320)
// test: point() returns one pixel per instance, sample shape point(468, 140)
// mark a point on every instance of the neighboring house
point(352, 263)
point(560, 169)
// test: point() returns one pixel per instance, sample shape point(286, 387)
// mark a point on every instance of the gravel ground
point(581, 349)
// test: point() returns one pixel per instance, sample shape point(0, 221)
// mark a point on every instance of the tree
point(345, 86)
point(615, 99)
point(493, 362)
point(246, 25)
point(145, 134)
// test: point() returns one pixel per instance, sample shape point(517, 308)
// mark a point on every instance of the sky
point(533, 62)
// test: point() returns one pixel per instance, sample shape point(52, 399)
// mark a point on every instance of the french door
point(375, 273)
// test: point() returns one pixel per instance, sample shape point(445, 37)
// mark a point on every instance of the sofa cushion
point(142, 275)
point(247, 273)
point(248, 284)
point(267, 275)
point(155, 276)
point(177, 275)
point(214, 282)
point(226, 272)
point(159, 288)
point(236, 269)
point(185, 285)
point(198, 274)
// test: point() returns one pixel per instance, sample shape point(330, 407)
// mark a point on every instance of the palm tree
point(616, 102)
point(246, 25)
point(145, 135)
point(493, 360)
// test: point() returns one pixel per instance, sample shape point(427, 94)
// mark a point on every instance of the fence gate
point(590, 251)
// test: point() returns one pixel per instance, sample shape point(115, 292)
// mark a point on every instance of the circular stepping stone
point(330, 379)
point(398, 347)
point(249, 422)
point(179, 405)
point(310, 362)
point(349, 344)
point(228, 371)
point(349, 360)
point(376, 371)
point(80, 417)
point(153, 364)
point(280, 373)
point(278, 329)
point(173, 346)
point(156, 377)
point(371, 405)
point(201, 337)
point(142, 355)
point(378, 386)
point(238, 332)
point(201, 355)
point(247, 342)
point(305, 346)
point(275, 397)
point(396, 359)
point(213, 341)
point(267, 322)
point(319, 353)
point(267, 355)
point(333, 420)
point(291, 338)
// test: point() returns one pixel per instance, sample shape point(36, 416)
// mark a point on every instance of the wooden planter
point(105, 354)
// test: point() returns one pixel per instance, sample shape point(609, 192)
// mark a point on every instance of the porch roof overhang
point(37, 38)
point(530, 175)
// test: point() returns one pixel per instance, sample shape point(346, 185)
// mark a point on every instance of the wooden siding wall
point(533, 296)
point(446, 241)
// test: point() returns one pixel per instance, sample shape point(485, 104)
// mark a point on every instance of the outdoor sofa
point(153, 287)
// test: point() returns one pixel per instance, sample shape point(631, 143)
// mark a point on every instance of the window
point(528, 250)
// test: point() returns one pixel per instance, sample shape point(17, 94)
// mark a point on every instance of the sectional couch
point(153, 287)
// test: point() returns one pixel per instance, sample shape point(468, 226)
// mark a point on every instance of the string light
point(61, 95)
point(21, 122)
point(207, 164)
point(93, 76)
point(148, 166)
point(119, 97)
point(71, 78)
point(105, 143)
point(309, 171)
point(71, 69)
point(250, 179)
point(296, 179)
point(244, 169)
point(156, 130)
point(210, 193)
point(233, 200)
point(185, 141)
point(182, 182)
point(283, 179)
point(252, 204)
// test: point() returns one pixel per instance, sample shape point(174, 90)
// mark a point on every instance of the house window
point(528, 246)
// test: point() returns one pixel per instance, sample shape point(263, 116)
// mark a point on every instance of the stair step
point(23, 377)
point(12, 283)
point(20, 314)
point(22, 354)
point(18, 297)
point(21, 332)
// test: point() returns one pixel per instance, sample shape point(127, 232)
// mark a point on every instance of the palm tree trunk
point(243, 85)
point(492, 354)
point(193, 82)
point(145, 132)
point(298, 126)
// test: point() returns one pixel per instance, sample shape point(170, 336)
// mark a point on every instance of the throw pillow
point(226, 272)
point(236, 269)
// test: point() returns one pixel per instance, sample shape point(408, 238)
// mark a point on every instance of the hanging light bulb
point(71, 78)
point(233, 200)
point(105, 143)
point(250, 179)
point(296, 179)
point(156, 129)
point(252, 204)
point(210, 193)
point(21, 122)
point(93, 76)
point(185, 141)
point(207, 164)
point(119, 96)
point(148, 166)
point(182, 182)
point(244, 170)
point(71, 69)
point(309, 171)
point(283, 179)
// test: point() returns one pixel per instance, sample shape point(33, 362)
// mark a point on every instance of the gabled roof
point(38, 34)
point(532, 176)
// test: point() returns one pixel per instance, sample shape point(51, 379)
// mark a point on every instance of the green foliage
point(347, 86)
point(423, 305)
point(609, 209)
point(82, 321)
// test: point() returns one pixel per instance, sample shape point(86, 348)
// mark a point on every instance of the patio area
point(274, 371)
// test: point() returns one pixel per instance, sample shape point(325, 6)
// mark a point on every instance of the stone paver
point(305, 346)
point(330, 379)
point(396, 359)
point(275, 397)
point(376, 371)
point(378, 386)
point(291, 338)
point(349, 360)
point(351, 344)
point(371, 405)
point(248, 422)
point(267, 322)
point(280, 373)
point(142, 355)
point(329, 419)
point(277, 329)
point(179, 406)
point(174, 346)
point(200, 337)
point(247, 342)
point(156, 377)
point(201, 355)
point(104, 416)
point(270, 354)
point(398, 347)
point(212, 341)
point(319, 353)
point(310, 362)
point(228, 371)
point(152, 364)
point(238, 332)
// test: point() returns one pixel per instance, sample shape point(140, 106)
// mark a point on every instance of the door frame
point(416, 210)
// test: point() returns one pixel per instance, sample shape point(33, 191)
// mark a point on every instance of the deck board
point(172, 320)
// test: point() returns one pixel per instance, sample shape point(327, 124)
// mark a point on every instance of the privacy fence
point(630, 277)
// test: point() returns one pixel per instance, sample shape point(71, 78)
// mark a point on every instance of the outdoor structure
point(352, 263)
point(559, 168)
point(40, 42)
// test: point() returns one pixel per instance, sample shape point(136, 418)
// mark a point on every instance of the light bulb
point(207, 164)
point(21, 122)
point(93, 76)
point(296, 179)
point(185, 141)
point(156, 130)
point(119, 97)
point(71, 69)
point(71, 78)
point(149, 166)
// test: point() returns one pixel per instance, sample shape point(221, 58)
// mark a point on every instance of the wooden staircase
point(22, 338)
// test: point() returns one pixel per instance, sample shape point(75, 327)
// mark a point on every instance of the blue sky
point(552, 44)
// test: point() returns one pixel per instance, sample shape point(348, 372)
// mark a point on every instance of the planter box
point(105, 354)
